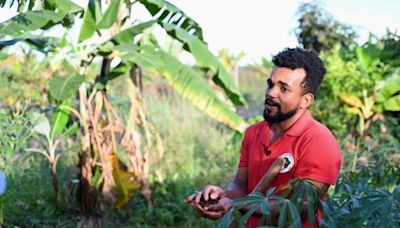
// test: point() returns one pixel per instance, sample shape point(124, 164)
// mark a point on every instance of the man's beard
point(280, 116)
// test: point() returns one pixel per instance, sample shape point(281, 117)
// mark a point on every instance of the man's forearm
point(235, 190)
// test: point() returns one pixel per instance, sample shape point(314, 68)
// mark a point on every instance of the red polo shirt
point(315, 151)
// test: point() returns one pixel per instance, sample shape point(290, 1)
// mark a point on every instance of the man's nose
point(271, 92)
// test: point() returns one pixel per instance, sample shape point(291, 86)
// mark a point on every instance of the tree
point(110, 34)
point(317, 30)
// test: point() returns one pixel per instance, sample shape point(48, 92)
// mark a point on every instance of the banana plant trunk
point(85, 175)
point(57, 193)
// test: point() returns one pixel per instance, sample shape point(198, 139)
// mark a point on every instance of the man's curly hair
point(294, 58)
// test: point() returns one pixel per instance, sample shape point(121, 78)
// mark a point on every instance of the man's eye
point(284, 89)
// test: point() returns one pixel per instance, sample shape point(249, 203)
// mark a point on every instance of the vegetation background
point(181, 144)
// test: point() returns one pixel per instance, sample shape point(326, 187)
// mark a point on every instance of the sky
point(262, 28)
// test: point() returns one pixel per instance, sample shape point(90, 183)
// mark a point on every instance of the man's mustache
point(270, 102)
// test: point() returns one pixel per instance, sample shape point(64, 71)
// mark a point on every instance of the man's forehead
point(287, 75)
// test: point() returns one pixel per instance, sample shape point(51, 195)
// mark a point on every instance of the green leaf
point(59, 119)
point(265, 206)
point(363, 58)
point(71, 130)
point(109, 16)
point(65, 6)
point(205, 58)
point(283, 214)
point(96, 180)
point(185, 81)
point(226, 220)
point(89, 22)
point(127, 35)
point(167, 12)
point(62, 88)
point(40, 44)
point(30, 21)
point(246, 200)
point(311, 210)
point(388, 87)
point(41, 124)
point(249, 213)
point(392, 104)
point(295, 218)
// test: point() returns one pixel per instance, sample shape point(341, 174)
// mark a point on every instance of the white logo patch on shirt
point(289, 163)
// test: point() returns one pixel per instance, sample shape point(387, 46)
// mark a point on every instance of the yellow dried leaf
point(123, 182)
point(351, 100)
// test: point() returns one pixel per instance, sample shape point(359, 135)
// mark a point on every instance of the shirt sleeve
point(244, 152)
point(319, 159)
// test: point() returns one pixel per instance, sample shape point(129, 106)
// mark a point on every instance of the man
point(288, 130)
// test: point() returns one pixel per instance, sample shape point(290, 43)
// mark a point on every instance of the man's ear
point(306, 100)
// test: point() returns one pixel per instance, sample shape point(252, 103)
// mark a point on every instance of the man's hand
point(210, 192)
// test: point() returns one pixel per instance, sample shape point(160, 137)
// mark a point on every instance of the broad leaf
point(351, 100)
point(89, 22)
point(62, 88)
point(40, 44)
point(363, 58)
point(123, 183)
point(388, 87)
point(167, 12)
point(392, 104)
point(41, 124)
point(205, 58)
point(64, 5)
point(71, 130)
point(109, 16)
point(185, 81)
point(30, 21)
point(126, 36)
point(59, 119)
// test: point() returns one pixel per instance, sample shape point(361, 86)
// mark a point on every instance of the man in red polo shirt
point(288, 130)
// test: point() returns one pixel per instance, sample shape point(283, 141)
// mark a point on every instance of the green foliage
point(14, 134)
point(317, 30)
point(24, 79)
point(388, 91)
point(348, 79)
point(62, 88)
point(29, 198)
point(289, 209)
point(185, 81)
point(59, 119)
point(370, 197)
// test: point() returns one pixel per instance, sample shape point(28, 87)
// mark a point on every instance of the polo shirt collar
point(300, 125)
point(295, 130)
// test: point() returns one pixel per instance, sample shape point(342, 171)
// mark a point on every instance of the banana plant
point(110, 32)
point(362, 108)
point(387, 92)
point(41, 126)
point(385, 98)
